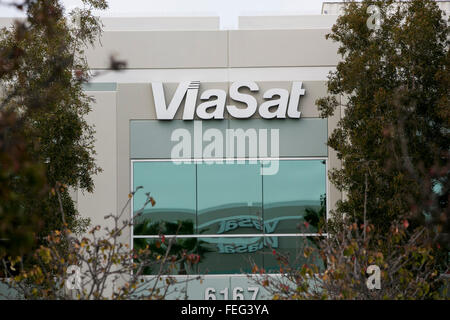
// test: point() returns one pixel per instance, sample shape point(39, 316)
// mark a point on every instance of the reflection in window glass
point(296, 191)
point(173, 187)
point(180, 248)
point(291, 249)
point(231, 255)
point(229, 198)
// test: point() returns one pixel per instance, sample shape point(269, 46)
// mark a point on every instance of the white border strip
point(256, 235)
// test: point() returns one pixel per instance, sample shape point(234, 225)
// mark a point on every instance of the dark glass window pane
point(230, 255)
point(173, 188)
point(177, 263)
point(229, 198)
point(296, 192)
point(288, 252)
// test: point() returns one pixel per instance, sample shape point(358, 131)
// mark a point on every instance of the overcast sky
point(228, 10)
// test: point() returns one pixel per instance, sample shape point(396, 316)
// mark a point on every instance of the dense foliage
point(98, 265)
point(45, 141)
point(394, 139)
point(405, 257)
point(392, 87)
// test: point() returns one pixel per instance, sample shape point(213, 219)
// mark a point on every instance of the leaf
point(405, 224)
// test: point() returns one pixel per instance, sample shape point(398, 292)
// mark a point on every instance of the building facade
point(221, 127)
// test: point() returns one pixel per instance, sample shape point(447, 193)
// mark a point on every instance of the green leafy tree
point(16, 162)
point(394, 142)
point(42, 69)
point(394, 139)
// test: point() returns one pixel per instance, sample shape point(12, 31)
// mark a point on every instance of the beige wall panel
point(160, 23)
point(280, 74)
point(103, 201)
point(310, 21)
point(215, 75)
point(8, 22)
point(283, 48)
point(161, 49)
point(133, 102)
point(334, 162)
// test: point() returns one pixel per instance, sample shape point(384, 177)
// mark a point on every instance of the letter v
point(162, 111)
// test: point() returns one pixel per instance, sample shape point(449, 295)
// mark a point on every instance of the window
point(229, 198)
point(292, 193)
point(228, 213)
point(173, 187)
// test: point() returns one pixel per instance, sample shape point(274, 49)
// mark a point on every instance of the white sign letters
point(278, 102)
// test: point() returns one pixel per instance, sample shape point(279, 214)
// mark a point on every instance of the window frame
point(224, 160)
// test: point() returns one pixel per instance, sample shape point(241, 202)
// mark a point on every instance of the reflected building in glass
point(237, 215)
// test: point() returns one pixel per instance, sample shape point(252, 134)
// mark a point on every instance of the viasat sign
point(279, 103)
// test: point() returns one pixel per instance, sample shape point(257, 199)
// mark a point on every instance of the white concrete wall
point(286, 22)
point(215, 49)
point(160, 23)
